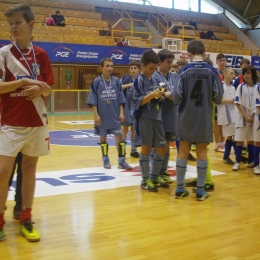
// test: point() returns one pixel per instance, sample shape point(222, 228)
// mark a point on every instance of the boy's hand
point(249, 119)
point(168, 95)
point(121, 118)
point(32, 92)
point(97, 120)
point(157, 94)
point(31, 82)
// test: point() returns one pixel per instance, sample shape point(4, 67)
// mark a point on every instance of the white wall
point(254, 35)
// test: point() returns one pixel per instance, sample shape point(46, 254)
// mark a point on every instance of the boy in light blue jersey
point(198, 84)
point(106, 99)
point(169, 110)
point(147, 101)
point(127, 86)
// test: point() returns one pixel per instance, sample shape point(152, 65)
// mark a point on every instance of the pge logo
point(233, 61)
point(117, 54)
point(62, 52)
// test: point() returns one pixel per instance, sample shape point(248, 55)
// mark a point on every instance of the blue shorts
point(170, 136)
point(152, 133)
point(127, 124)
point(99, 130)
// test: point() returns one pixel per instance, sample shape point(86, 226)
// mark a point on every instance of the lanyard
point(250, 94)
point(34, 59)
point(164, 79)
point(107, 87)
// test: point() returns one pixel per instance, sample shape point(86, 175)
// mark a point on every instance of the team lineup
point(158, 105)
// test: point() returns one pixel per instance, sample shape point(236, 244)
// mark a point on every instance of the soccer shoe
point(191, 157)
point(207, 186)
point(166, 176)
point(227, 160)
point(134, 154)
point(16, 212)
point(236, 166)
point(160, 182)
point(181, 193)
point(250, 165)
point(124, 165)
point(193, 147)
point(30, 233)
point(201, 195)
point(2, 234)
point(257, 170)
point(148, 185)
point(244, 159)
point(220, 149)
point(106, 162)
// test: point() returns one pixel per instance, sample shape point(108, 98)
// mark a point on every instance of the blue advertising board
point(81, 53)
point(255, 61)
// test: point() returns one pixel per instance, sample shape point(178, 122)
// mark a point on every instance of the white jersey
point(226, 112)
point(245, 97)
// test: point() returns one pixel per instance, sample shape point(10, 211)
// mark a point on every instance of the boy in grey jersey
point(106, 99)
point(198, 84)
point(147, 103)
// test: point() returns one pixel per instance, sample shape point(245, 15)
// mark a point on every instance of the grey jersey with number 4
point(198, 84)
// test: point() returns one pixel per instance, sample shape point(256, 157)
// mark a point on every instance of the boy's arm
point(97, 119)
point(121, 115)
point(177, 92)
point(150, 96)
point(227, 101)
point(127, 85)
point(244, 114)
point(218, 89)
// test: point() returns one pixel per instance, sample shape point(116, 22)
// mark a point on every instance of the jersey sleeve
point(93, 98)
point(236, 82)
point(218, 89)
point(257, 95)
point(47, 70)
point(2, 69)
point(178, 91)
point(121, 93)
point(138, 93)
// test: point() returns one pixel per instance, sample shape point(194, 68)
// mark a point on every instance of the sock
point(2, 221)
point(165, 161)
point(181, 166)
point(152, 153)
point(234, 144)
point(250, 148)
point(144, 165)
point(156, 166)
point(25, 215)
point(121, 159)
point(201, 171)
point(133, 147)
point(238, 153)
point(177, 143)
point(228, 146)
point(256, 151)
point(125, 141)
point(208, 174)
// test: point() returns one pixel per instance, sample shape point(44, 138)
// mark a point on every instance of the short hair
point(175, 66)
point(220, 56)
point(102, 62)
point(23, 9)
point(208, 60)
point(149, 56)
point(57, 12)
point(181, 62)
point(196, 47)
point(135, 63)
point(252, 69)
point(244, 60)
point(165, 54)
point(226, 70)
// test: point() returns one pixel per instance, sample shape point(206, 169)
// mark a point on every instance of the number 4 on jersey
point(196, 94)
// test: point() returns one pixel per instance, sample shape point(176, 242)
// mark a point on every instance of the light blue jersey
point(107, 96)
point(198, 84)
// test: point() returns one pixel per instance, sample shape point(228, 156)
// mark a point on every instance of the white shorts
point(228, 130)
point(31, 141)
point(256, 128)
point(244, 133)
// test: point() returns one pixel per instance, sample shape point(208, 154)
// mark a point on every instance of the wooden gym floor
point(127, 223)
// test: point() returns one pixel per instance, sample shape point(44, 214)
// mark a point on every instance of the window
point(164, 3)
point(190, 5)
point(207, 6)
point(235, 20)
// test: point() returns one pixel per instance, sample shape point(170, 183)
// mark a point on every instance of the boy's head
point(21, 20)
point(221, 61)
point(175, 68)
point(58, 13)
point(134, 67)
point(106, 66)
point(249, 74)
point(244, 63)
point(208, 60)
point(195, 47)
point(181, 62)
point(149, 62)
point(165, 60)
point(229, 74)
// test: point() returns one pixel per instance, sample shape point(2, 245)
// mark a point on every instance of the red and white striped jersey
point(16, 110)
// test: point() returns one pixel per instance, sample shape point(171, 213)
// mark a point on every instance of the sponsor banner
point(233, 60)
point(255, 61)
point(91, 179)
point(81, 53)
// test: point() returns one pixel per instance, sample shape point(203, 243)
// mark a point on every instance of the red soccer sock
point(2, 221)
point(25, 215)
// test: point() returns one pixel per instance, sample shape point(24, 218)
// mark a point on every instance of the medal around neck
point(108, 101)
